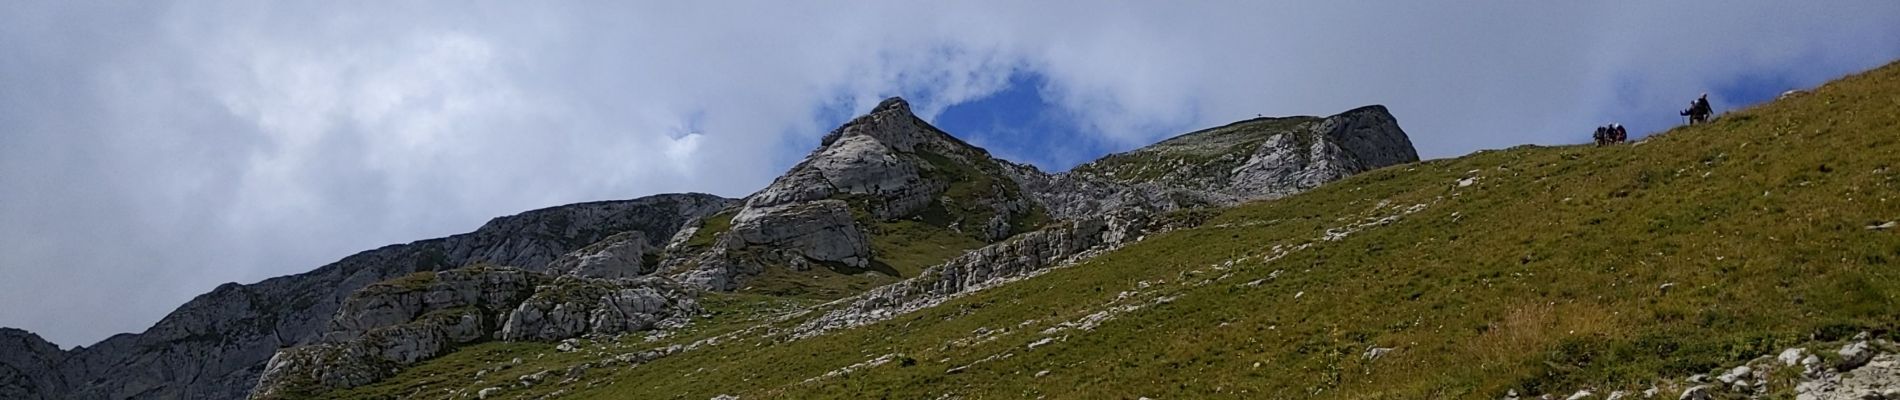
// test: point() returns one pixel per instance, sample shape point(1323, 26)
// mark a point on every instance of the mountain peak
point(894, 103)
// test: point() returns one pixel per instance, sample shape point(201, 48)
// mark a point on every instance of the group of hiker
point(1611, 134)
point(1699, 110)
point(1698, 113)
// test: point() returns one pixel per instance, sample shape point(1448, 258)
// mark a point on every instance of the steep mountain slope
point(214, 346)
point(1533, 270)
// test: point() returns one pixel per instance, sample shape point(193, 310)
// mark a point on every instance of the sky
point(150, 151)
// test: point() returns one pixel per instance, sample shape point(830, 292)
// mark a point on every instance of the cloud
point(153, 150)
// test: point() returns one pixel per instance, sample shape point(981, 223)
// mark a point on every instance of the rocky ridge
point(216, 345)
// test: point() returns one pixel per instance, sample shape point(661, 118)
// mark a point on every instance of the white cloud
point(151, 152)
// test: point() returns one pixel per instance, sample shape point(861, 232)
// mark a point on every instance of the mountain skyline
point(151, 153)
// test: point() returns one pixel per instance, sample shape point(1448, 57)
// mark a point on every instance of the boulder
point(623, 255)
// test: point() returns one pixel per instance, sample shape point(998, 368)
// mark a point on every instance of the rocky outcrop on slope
point(29, 366)
point(215, 346)
point(1019, 257)
point(572, 306)
point(623, 255)
point(393, 324)
point(1248, 160)
point(885, 165)
point(398, 301)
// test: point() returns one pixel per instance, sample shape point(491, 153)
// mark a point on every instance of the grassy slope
point(1543, 275)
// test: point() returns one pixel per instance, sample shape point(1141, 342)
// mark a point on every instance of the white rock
point(1696, 393)
point(1791, 357)
point(1375, 352)
point(1580, 395)
point(1042, 373)
point(1737, 374)
point(1617, 395)
point(1040, 343)
point(486, 393)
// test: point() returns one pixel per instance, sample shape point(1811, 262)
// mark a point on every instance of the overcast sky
point(150, 151)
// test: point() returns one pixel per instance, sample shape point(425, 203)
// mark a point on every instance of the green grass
point(710, 228)
point(1545, 275)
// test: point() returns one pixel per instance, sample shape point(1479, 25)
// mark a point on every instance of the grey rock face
point(29, 366)
point(407, 320)
point(821, 230)
point(408, 298)
point(216, 345)
point(623, 255)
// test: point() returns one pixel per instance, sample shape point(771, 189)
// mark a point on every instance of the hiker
point(1699, 110)
point(1618, 134)
point(1602, 136)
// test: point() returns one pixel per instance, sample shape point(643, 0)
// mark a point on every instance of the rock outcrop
point(216, 345)
point(572, 307)
point(1020, 257)
point(392, 324)
point(1255, 159)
